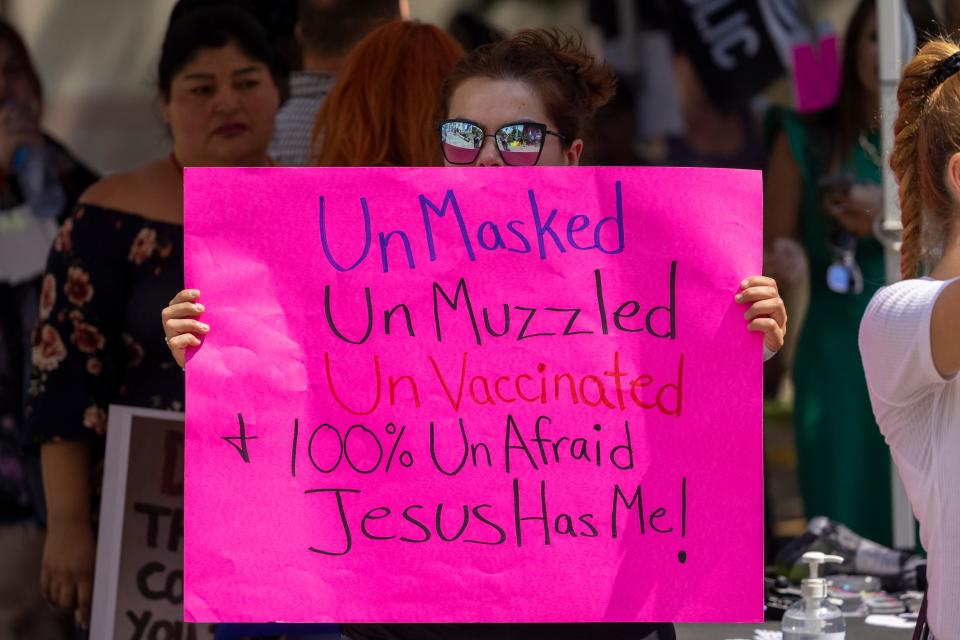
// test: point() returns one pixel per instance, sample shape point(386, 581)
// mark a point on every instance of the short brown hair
point(333, 27)
point(571, 83)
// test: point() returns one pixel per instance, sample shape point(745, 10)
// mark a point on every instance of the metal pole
point(890, 26)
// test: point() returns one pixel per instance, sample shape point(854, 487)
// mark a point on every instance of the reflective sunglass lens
point(520, 144)
point(461, 142)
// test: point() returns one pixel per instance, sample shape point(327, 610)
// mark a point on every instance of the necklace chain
point(873, 153)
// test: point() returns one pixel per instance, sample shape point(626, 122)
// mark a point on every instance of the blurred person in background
point(39, 182)
point(327, 31)
point(908, 338)
point(116, 262)
point(822, 189)
point(384, 108)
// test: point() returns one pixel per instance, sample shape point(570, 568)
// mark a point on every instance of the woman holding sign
point(908, 337)
point(534, 94)
point(115, 264)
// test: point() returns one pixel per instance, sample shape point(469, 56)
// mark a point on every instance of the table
point(857, 629)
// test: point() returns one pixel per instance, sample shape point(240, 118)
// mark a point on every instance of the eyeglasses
point(519, 143)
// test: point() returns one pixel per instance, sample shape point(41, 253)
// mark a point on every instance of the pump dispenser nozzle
point(815, 586)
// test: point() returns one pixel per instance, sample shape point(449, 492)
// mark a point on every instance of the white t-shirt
point(919, 415)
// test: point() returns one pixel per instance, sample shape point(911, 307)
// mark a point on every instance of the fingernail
point(739, 297)
point(205, 327)
point(194, 292)
point(199, 307)
point(744, 283)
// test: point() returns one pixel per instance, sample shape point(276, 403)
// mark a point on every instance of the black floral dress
point(98, 339)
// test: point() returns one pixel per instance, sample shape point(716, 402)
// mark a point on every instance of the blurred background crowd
point(786, 86)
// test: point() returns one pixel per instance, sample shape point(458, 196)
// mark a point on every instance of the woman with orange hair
point(908, 338)
point(384, 107)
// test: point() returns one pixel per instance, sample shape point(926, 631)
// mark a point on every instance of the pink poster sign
point(476, 395)
point(816, 74)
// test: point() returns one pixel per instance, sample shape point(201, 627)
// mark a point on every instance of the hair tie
point(946, 69)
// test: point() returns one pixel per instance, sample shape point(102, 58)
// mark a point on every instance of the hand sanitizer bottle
point(814, 617)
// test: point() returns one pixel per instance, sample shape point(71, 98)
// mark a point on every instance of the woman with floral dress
point(116, 263)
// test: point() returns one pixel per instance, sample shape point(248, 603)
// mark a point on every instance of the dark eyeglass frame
point(496, 141)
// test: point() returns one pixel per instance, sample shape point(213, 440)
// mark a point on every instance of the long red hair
point(384, 106)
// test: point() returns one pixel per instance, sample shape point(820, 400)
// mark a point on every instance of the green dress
point(843, 461)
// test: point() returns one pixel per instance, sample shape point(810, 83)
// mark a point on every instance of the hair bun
point(570, 81)
point(597, 82)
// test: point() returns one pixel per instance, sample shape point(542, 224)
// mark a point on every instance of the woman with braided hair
point(908, 339)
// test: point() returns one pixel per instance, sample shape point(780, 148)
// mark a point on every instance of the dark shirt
point(99, 340)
